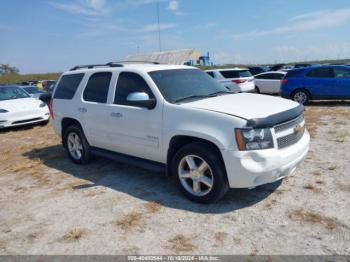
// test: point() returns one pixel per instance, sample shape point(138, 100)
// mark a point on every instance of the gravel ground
point(50, 206)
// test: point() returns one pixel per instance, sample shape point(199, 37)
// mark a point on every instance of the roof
point(174, 57)
point(228, 69)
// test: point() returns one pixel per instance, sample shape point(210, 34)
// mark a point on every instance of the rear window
point(235, 73)
point(67, 86)
point(211, 74)
point(293, 73)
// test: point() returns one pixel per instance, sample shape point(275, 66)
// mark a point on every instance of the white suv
point(178, 120)
point(234, 79)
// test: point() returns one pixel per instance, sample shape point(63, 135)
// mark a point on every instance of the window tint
point(235, 74)
point(294, 73)
point(128, 83)
point(320, 72)
point(266, 76)
point(67, 86)
point(342, 72)
point(211, 74)
point(97, 87)
point(256, 70)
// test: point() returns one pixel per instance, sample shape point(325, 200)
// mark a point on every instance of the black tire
point(257, 90)
point(301, 96)
point(85, 152)
point(212, 158)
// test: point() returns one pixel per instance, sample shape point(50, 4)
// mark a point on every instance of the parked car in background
point(277, 67)
point(235, 79)
point(269, 82)
point(178, 120)
point(17, 108)
point(317, 83)
point(35, 92)
point(48, 85)
point(254, 70)
point(303, 65)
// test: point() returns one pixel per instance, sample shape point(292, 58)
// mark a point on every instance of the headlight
point(42, 105)
point(253, 139)
point(3, 111)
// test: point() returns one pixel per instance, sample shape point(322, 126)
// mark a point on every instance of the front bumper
point(10, 120)
point(246, 169)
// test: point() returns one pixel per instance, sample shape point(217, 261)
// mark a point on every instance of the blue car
point(331, 82)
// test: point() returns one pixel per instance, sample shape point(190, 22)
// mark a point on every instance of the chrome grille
point(289, 124)
point(290, 139)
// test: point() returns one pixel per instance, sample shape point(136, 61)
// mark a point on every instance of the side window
point(278, 76)
point(320, 72)
point(97, 87)
point(211, 74)
point(342, 73)
point(128, 83)
point(67, 86)
point(265, 76)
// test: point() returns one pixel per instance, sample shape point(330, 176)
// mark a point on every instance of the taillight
point(239, 81)
point(284, 81)
point(51, 109)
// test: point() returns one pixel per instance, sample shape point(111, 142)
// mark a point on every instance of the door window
point(97, 87)
point(321, 73)
point(128, 83)
point(67, 86)
point(342, 73)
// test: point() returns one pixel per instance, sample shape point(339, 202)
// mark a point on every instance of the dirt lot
point(50, 206)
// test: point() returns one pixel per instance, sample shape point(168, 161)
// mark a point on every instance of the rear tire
point(301, 96)
point(200, 173)
point(76, 144)
point(257, 90)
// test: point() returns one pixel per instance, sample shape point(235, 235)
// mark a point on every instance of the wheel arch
point(301, 89)
point(179, 141)
point(65, 123)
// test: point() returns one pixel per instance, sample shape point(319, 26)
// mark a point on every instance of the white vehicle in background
point(17, 108)
point(269, 82)
point(236, 79)
point(178, 120)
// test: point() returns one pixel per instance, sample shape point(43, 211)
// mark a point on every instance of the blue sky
point(52, 35)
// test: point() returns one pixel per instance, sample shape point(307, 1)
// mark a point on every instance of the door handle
point(117, 115)
point(82, 109)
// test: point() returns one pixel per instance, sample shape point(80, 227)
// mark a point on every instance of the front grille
point(289, 124)
point(291, 139)
point(27, 120)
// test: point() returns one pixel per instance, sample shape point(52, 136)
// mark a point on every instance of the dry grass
point(316, 173)
point(344, 187)
point(220, 238)
point(74, 234)
point(320, 182)
point(153, 207)
point(3, 245)
point(131, 221)
point(181, 243)
point(314, 218)
point(33, 236)
point(237, 240)
point(312, 188)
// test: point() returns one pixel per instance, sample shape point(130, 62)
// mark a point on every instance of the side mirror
point(141, 99)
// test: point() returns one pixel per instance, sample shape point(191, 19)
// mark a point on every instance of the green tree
point(6, 69)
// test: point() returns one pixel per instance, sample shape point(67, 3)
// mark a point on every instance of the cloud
point(174, 6)
point(155, 27)
point(304, 22)
point(83, 7)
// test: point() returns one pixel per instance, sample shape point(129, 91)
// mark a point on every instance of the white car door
point(93, 109)
point(267, 83)
point(133, 130)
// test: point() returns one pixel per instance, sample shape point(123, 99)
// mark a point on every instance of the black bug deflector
point(276, 119)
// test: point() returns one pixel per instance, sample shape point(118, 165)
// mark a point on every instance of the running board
point(135, 161)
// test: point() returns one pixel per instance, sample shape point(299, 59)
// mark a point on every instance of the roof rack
point(112, 64)
point(136, 62)
point(96, 65)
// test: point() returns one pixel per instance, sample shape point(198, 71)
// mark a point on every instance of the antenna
point(159, 40)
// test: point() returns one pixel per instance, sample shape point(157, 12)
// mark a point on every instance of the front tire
point(77, 147)
point(200, 173)
point(301, 96)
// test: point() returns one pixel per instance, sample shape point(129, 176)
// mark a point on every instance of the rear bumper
point(247, 169)
point(247, 87)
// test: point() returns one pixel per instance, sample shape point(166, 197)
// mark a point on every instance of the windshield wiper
point(201, 96)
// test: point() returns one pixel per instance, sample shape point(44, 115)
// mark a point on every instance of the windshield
point(179, 84)
point(32, 90)
point(12, 92)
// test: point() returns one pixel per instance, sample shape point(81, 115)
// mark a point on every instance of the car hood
point(21, 104)
point(250, 107)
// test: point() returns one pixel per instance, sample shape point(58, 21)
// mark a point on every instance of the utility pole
point(158, 19)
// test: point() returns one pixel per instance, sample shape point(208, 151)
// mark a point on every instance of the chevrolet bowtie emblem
point(297, 129)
